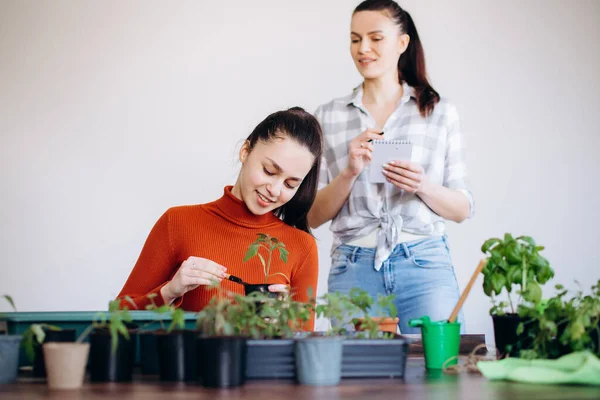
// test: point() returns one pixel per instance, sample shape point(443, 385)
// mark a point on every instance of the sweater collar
point(237, 211)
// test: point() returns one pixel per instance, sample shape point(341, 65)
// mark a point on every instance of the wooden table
point(417, 384)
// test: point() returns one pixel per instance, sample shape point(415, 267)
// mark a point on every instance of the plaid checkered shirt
point(437, 147)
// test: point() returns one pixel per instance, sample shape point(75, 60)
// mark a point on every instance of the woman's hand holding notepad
point(385, 151)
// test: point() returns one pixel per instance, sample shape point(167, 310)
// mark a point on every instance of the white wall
point(111, 112)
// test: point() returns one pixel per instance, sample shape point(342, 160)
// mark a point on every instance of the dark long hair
point(411, 66)
point(297, 124)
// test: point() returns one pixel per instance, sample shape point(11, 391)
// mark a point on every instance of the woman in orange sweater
point(190, 246)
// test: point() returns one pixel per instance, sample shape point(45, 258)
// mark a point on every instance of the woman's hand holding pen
point(193, 272)
point(360, 151)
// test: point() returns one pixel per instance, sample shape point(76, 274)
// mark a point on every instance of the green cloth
point(581, 368)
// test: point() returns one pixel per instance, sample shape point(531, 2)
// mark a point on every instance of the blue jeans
point(419, 273)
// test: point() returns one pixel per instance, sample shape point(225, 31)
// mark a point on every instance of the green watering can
point(441, 341)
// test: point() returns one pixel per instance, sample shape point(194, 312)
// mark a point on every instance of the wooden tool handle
point(465, 293)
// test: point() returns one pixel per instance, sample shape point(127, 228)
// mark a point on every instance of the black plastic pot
point(106, 365)
point(148, 353)
point(505, 333)
point(65, 335)
point(177, 355)
point(261, 287)
point(221, 361)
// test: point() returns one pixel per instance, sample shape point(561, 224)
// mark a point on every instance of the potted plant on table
point(112, 353)
point(319, 358)
point(268, 244)
point(175, 347)
point(65, 361)
point(375, 349)
point(9, 352)
point(513, 266)
point(561, 326)
point(38, 334)
point(111, 356)
point(271, 352)
point(224, 325)
point(384, 305)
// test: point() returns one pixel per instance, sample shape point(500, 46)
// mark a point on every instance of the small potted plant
point(38, 334)
point(221, 346)
point(65, 362)
point(9, 352)
point(561, 326)
point(174, 345)
point(319, 358)
point(112, 353)
point(372, 325)
point(375, 349)
point(271, 352)
point(268, 244)
point(513, 264)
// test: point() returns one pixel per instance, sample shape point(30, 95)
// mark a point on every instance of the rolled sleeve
point(455, 169)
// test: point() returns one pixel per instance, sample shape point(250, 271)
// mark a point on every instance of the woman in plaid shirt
point(390, 237)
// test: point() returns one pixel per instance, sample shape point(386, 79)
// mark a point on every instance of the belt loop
point(353, 256)
point(405, 249)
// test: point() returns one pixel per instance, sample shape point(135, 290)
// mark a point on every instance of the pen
point(370, 140)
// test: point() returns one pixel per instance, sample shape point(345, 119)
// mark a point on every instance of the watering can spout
point(418, 322)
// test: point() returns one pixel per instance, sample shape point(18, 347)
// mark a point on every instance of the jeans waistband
point(403, 250)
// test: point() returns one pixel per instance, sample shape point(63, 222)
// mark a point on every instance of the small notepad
point(385, 151)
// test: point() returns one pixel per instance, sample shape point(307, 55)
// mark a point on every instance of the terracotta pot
point(386, 324)
point(65, 364)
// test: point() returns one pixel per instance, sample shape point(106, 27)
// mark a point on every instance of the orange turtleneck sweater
point(220, 231)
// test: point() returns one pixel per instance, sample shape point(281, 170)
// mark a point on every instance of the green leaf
point(123, 330)
point(498, 282)
point(520, 328)
point(544, 274)
point(283, 254)
point(487, 285)
point(550, 326)
point(262, 260)
point(529, 240)
point(393, 310)
point(130, 301)
point(27, 343)
point(538, 261)
point(251, 252)
point(533, 292)
point(10, 301)
point(508, 238)
point(514, 275)
point(38, 332)
point(489, 243)
point(513, 252)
